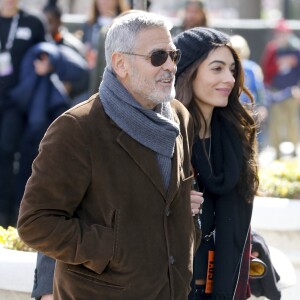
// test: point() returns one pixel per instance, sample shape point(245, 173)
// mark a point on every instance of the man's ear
point(119, 64)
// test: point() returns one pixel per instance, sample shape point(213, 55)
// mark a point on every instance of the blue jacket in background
point(42, 98)
point(254, 82)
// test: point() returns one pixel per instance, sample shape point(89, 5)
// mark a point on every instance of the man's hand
point(296, 93)
point(42, 65)
point(255, 254)
point(196, 201)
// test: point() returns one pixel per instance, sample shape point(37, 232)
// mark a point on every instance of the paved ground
point(293, 293)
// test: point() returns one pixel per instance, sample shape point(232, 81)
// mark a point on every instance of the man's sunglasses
point(159, 57)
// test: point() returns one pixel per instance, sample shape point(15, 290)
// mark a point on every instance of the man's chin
point(166, 99)
point(169, 97)
point(160, 100)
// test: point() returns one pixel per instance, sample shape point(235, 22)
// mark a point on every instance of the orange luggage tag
point(210, 272)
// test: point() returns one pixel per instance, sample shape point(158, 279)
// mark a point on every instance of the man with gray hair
point(109, 194)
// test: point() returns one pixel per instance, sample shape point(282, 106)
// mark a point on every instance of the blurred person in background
point(61, 36)
point(194, 15)
point(281, 67)
point(254, 82)
point(19, 31)
point(53, 74)
point(102, 13)
point(59, 33)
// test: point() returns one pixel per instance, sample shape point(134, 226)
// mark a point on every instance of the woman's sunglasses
point(159, 57)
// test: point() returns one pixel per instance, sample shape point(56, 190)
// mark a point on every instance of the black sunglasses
point(159, 57)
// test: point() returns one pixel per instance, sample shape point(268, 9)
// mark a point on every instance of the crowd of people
point(44, 70)
point(133, 194)
point(281, 66)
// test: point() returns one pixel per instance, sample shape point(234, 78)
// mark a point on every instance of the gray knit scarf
point(155, 129)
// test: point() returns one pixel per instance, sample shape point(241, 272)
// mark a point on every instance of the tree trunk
point(139, 4)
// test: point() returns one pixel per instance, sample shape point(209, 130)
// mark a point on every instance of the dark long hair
point(94, 12)
point(200, 4)
point(239, 116)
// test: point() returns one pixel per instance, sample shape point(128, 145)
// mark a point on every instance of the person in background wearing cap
point(194, 16)
point(209, 81)
point(109, 194)
point(281, 67)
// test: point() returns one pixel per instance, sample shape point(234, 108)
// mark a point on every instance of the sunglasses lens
point(158, 58)
point(175, 56)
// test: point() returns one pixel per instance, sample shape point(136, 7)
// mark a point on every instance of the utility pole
point(72, 6)
point(139, 4)
point(286, 9)
point(250, 9)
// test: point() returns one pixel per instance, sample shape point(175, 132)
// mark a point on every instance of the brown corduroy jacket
point(95, 202)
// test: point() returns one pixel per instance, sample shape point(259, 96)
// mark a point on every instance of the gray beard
point(159, 100)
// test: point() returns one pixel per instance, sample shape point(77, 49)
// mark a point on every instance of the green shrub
point(280, 179)
point(10, 239)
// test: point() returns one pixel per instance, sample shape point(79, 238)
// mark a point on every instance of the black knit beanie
point(196, 42)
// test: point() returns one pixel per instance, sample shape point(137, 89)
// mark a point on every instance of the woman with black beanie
point(209, 81)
